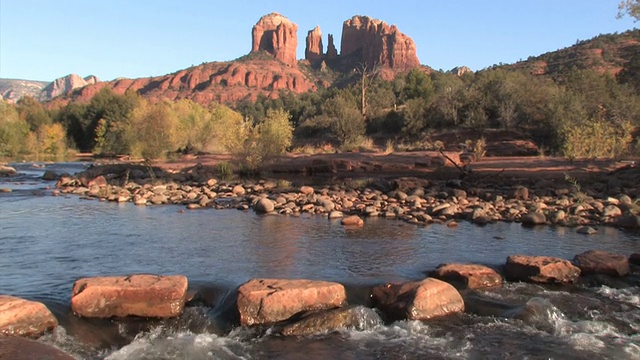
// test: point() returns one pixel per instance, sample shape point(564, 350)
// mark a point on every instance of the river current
point(47, 242)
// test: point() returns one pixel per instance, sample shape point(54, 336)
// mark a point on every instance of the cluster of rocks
point(302, 307)
point(413, 200)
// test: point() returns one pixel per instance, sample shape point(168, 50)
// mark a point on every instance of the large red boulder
point(264, 301)
point(20, 317)
point(540, 269)
point(15, 348)
point(602, 262)
point(135, 295)
point(470, 276)
point(418, 300)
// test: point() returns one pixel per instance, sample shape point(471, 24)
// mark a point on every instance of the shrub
point(596, 138)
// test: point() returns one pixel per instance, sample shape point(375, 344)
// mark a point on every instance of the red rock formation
point(276, 35)
point(221, 81)
point(265, 301)
point(314, 50)
point(540, 269)
point(134, 295)
point(19, 317)
point(332, 52)
point(379, 43)
point(419, 300)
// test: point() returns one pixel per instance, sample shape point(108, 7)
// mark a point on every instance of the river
point(47, 242)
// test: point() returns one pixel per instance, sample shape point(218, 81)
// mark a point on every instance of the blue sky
point(46, 39)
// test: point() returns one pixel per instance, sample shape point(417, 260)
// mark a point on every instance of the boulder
point(100, 181)
point(540, 269)
point(471, 276)
point(50, 175)
point(6, 170)
point(602, 262)
point(277, 36)
point(358, 318)
point(134, 295)
point(353, 220)
point(263, 205)
point(306, 190)
point(534, 218)
point(521, 193)
point(586, 230)
point(238, 190)
point(20, 317)
point(418, 300)
point(265, 301)
point(15, 348)
point(628, 222)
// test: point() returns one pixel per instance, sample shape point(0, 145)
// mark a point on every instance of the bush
point(596, 138)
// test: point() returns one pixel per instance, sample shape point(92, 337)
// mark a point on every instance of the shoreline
point(416, 187)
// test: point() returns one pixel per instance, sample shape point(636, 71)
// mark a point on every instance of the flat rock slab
point(602, 262)
point(135, 295)
point(471, 276)
point(541, 269)
point(16, 348)
point(20, 317)
point(418, 300)
point(265, 301)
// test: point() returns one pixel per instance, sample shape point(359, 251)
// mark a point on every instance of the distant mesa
point(276, 35)
point(13, 90)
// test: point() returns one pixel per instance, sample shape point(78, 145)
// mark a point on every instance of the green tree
point(417, 85)
point(14, 131)
point(629, 7)
point(33, 113)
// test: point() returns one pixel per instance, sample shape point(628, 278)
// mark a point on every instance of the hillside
point(13, 89)
point(608, 53)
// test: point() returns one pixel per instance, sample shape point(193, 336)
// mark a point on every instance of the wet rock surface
point(20, 317)
point(540, 269)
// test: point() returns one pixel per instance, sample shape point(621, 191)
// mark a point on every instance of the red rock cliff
point(314, 49)
point(276, 35)
point(381, 44)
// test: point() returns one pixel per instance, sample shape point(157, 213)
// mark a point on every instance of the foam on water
point(630, 296)
point(160, 344)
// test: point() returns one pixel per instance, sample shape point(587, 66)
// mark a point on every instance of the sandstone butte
point(272, 66)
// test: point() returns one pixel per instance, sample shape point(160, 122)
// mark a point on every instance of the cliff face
point(276, 35)
point(379, 44)
point(66, 84)
point(225, 82)
point(314, 49)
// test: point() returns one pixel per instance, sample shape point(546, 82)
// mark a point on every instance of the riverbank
point(416, 187)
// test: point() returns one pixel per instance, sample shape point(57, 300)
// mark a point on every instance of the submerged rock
point(470, 276)
point(357, 318)
point(602, 262)
point(353, 220)
point(6, 170)
point(16, 348)
point(20, 317)
point(418, 300)
point(540, 269)
point(135, 295)
point(265, 301)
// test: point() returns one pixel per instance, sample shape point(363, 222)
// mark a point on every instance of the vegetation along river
point(47, 242)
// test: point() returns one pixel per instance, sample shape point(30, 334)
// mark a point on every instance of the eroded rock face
point(419, 300)
point(66, 84)
point(265, 301)
point(381, 44)
point(314, 49)
point(135, 295)
point(540, 269)
point(602, 262)
point(16, 348)
point(276, 35)
point(359, 318)
point(20, 317)
point(470, 276)
point(332, 52)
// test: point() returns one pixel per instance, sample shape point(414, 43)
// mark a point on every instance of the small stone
point(535, 218)
point(264, 205)
point(586, 230)
point(336, 214)
point(306, 190)
point(353, 220)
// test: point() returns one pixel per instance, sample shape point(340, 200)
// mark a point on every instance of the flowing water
point(48, 242)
